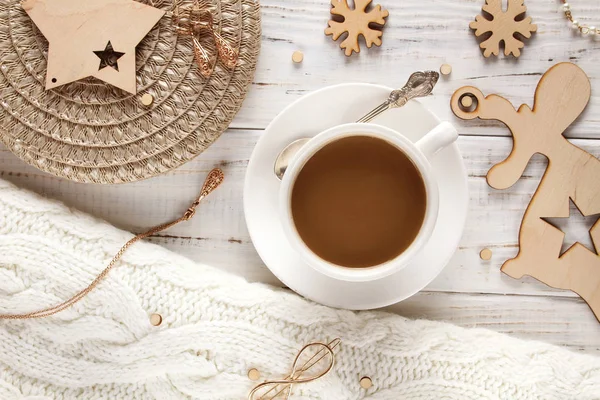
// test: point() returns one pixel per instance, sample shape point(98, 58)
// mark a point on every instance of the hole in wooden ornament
point(337, 18)
point(376, 26)
point(53, 80)
point(468, 103)
point(576, 228)
point(109, 57)
point(520, 17)
point(487, 15)
point(522, 38)
point(485, 35)
point(340, 20)
point(345, 35)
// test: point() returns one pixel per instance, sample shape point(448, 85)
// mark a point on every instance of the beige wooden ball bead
point(366, 382)
point(466, 101)
point(156, 319)
point(446, 69)
point(253, 374)
point(485, 254)
point(297, 57)
point(147, 99)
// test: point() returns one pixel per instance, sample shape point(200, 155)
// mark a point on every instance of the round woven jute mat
point(90, 131)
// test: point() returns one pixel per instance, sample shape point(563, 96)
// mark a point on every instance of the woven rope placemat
point(90, 131)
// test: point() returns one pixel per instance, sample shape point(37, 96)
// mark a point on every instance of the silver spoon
point(420, 84)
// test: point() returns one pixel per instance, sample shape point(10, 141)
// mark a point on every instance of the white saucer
point(310, 115)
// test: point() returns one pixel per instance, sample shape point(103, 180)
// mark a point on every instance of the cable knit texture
point(217, 326)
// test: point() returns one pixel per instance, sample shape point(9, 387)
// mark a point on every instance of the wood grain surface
point(418, 35)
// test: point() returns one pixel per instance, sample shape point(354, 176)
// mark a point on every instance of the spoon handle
point(375, 112)
point(420, 84)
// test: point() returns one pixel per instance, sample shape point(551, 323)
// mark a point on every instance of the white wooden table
point(421, 34)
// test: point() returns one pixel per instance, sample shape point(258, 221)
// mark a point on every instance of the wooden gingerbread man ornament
point(572, 174)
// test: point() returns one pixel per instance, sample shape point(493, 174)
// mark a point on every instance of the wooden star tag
point(92, 38)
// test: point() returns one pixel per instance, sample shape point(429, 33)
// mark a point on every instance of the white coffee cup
point(419, 153)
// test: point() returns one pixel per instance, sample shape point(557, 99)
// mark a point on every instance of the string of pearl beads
point(582, 28)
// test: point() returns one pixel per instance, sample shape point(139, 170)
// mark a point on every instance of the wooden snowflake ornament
point(503, 26)
point(356, 22)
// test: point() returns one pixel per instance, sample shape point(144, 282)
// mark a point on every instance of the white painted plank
point(561, 321)
point(218, 234)
point(418, 35)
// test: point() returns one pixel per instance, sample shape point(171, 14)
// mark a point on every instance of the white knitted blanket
point(217, 326)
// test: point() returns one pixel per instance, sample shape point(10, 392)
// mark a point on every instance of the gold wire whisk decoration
point(284, 386)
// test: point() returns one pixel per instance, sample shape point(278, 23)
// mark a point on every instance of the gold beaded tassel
point(582, 28)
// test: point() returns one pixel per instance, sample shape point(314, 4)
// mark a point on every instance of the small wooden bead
point(446, 69)
point(366, 382)
point(466, 101)
point(147, 99)
point(297, 57)
point(253, 374)
point(156, 319)
point(485, 254)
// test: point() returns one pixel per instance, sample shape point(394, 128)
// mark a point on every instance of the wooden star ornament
point(92, 38)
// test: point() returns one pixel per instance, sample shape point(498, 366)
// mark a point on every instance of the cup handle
point(439, 137)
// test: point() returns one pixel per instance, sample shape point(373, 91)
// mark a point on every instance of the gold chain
point(582, 28)
point(213, 180)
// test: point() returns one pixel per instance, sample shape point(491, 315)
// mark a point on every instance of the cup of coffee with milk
point(359, 201)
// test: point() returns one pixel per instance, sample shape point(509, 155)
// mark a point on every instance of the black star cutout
point(579, 228)
point(108, 57)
